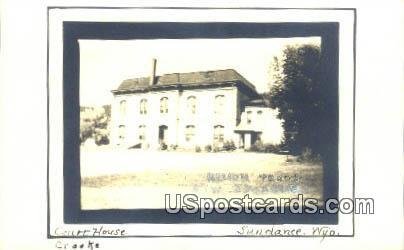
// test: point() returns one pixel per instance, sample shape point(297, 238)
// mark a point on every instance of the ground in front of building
point(130, 179)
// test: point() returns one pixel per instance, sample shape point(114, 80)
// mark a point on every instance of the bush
point(217, 149)
point(163, 146)
point(208, 148)
point(101, 140)
point(272, 148)
point(198, 149)
point(307, 155)
point(229, 146)
point(258, 146)
point(173, 147)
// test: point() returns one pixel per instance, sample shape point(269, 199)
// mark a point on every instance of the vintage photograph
point(201, 125)
point(163, 122)
point(219, 118)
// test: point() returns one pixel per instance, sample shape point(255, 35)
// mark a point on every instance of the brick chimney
point(153, 72)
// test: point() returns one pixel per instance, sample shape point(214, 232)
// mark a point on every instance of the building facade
point(186, 110)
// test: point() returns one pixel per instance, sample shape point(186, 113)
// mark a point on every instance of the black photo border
point(72, 31)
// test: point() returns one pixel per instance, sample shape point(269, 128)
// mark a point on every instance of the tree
point(94, 124)
point(301, 97)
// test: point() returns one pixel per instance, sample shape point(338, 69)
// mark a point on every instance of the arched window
point(191, 104)
point(121, 132)
point(218, 133)
point(249, 114)
point(122, 108)
point(143, 106)
point(219, 104)
point(164, 105)
point(189, 133)
point(142, 132)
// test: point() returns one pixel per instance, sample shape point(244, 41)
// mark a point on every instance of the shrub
point(229, 146)
point(272, 148)
point(258, 146)
point(216, 149)
point(101, 140)
point(173, 147)
point(198, 149)
point(307, 155)
point(208, 148)
point(163, 146)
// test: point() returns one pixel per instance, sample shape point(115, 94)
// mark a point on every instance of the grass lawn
point(140, 179)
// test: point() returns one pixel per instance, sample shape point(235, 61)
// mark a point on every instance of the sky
point(104, 64)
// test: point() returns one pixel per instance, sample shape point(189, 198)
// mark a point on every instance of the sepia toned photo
point(201, 125)
point(163, 126)
point(218, 118)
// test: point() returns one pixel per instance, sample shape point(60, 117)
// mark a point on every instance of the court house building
point(191, 109)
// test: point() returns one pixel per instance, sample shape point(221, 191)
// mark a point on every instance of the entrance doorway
point(163, 134)
point(248, 138)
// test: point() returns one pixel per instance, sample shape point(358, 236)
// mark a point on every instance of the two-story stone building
point(191, 109)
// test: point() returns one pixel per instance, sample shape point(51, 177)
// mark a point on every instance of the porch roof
point(247, 128)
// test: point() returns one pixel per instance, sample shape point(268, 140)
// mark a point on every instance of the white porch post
point(240, 140)
point(247, 140)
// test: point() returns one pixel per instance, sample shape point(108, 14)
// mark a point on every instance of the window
point(189, 133)
point(191, 104)
point(164, 105)
point(122, 108)
point(142, 132)
point(219, 104)
point(143, 106)
point(218, 133)
point(121, 132)
point(249, 113)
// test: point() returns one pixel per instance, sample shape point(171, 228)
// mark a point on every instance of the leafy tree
point(302, 99)
point(94, 124)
